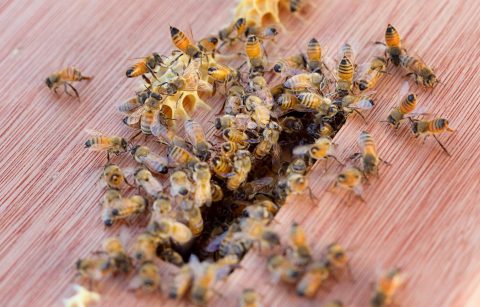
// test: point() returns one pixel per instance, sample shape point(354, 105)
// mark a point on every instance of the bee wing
point(301, 150)
point(135, 283)
point(153, 187)
point(204, 86)
point(155, 163)
point(133, 120)
point(93, 132)
point(358, 189)
point(403, 89)
point(361, 71)
point(363, 104)
point(215, 243)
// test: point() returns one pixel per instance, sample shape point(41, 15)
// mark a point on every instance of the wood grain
point(421, 214)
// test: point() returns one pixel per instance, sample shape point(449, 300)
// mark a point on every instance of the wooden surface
point(422, 214)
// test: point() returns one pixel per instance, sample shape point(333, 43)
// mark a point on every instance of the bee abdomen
point(345, 69)
point(392, 38)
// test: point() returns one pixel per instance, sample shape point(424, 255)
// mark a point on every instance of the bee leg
point(441, 145)
point(355, 156)
point(385, 162)
point(380, 43)
point(108, 156)
point(74, 89)
point(65, 89)
point(313, 198)
point(361, 115)
point(55, 90)
point(146, 79)
point(336, 159)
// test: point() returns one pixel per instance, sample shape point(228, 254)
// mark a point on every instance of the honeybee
point(259, 232)
point(322, 149)
point(189, 81)
point(83, 297)
point(346, 50)
point(316, 102)
point(193, 217)
point(291, 125)
point(316, 274)
point(337, 259)
point(181, 157)
point(370, 73)
point(386, 288)
point(114, 176)
point(345, 72)
point(221, 165)
point(162, 206)
point(92, 268)
point(152, 161)
point(420, 72)
point(259, 111)
point(314, 55)
point(249, 298)
point(118, 260)
point(408, 103)
point(228, 149)
point(205, 275)
point(313, 82)
point(145, 65)
point(147, 279)
point(255, 54)
point(432, 127)
point(297, 166)
point(196, 135)
point(133, 103)
point(257, 212)
point(394, 49)
point(297, 5)
point(181, 283)
point(236, 136)
point(123, 208)
point(351, 179)
point(208, 45)
point(287, 101)
point(168, 228)
point(258, 86)
point(297, 184)
point(300, 253)
point(217, 192)
point(369, 156)
point(145, 179)
point(224, 74)
point(291, 65)
point(111, 144)
point(283, 269)
point(180, 185)
point(65, 77)
point(134, 119)
point(167, 254)
point(203, 190)
point(242, 164)
point(233, 32)
point(233, 102)
point(145, 246)
point(269, 142)
point(182, 42)
point(353, 103)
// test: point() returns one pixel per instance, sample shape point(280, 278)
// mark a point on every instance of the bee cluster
point(209, 202)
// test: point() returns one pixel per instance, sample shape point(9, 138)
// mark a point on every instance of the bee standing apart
point(262, 33)
point(305, 82)
point(291, 65)
point(150, 160)
point(133, 103)
point(193, 217)
point(147, 279)
point(386, 288)
point(144, 248)
point(300, 253)
point(314, 55)
point(315, 276)
point(145, 179)
point(196, 135)
point(345, 76)
point(203, 189)
point(208, 45)
point(180, 185)
point(64, 77)
point(369, 156)
point(111, 144)
point(182, 42)
point(432, 127)
point(145, 65)
point(370, 73)
point(256, 58)
point(233, 32)
point(351, 179)
point(321, 149)
point(421, 73)
point(337, 259)
point(354, 103)
point(394, 49)
point(249, 298)
point(114, 176)
point(124, 208)
point(242, 164)
point(182, 282)
point(407, 105)
point(282, 269)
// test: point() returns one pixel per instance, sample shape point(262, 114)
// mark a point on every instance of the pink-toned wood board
point(422, 214)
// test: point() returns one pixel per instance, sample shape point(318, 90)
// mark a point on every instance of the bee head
point(277, 68)
point(213, 40)
point(411, 97)
point(124, 144)
point(108, 222)
point(51, 80)
point(362, 86)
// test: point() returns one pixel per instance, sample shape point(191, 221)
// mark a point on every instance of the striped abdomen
point(310, 100)
point(408, 104)
point(129, 105)
point(410, 63)
point(146, 121)
point(438, 125)
point(314, 51)
point(346, 50)
point(71, 74)
point(392, 38)
point(253, 49)
point(221, 165)
point(180, 155)
point(345, 70)
point(218, 73)
point(234, 135)
point(287, 101)
point(367, 144)
point(137, 69)
point(97, 141)
point(240, 26)
point(179, 39)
